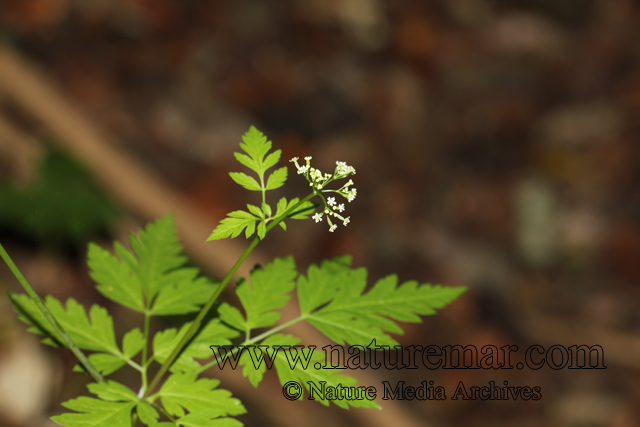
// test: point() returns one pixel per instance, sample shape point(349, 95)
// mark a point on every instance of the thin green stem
point(253, 340)
point(161, 409)
point(143, 362)
point(278, 328)
point(203, 312)
point(52, 320)
point(205, 309)
point(134, 365)
point(263, 188)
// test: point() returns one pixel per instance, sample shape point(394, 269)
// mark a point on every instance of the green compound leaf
point(233, 225)
point(214, 333)
point(290, 370)
point(256, 146)
point(183, 391)
point(245, 180)
point(277, 178)
point(345, 314)
point(267, 291)
point(92, 412)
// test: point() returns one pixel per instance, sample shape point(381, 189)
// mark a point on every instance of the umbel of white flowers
point(318, 181)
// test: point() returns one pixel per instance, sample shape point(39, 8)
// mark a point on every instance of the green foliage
point(152, 278)
point(267, 291)
point(346, 315)
point(63, 204)
point(256, 146)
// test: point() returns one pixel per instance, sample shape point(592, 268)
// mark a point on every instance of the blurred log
point(22, 149)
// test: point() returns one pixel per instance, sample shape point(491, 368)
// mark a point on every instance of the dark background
point(496, 145)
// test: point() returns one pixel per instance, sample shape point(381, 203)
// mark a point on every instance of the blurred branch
point(132, 183)
point(23, 150)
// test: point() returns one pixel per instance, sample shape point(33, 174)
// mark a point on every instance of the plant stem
point(276, 329)
point(253, 340)
point(143, 362)
point(161, 409)
point(205, 309)
point(66, 339)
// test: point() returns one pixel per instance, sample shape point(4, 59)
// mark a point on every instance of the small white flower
point(307, 158)
point(346, 221)
point(319, 186)
point(317, 217)
point(341, 207)
point(294, 159)
point(331, 201)
point(327, 211)
point(333, 228)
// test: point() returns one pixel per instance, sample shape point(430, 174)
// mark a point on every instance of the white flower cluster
point(318, 181)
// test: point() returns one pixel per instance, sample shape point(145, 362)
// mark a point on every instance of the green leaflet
point(153, 276)
point(113, 409)
point(95, 333)
point(112, 391)
point(114, 279)
point(234, 224)
point(277, 178)
point(350, 316)
point(302, 212)
point(92, 412)
point(267, 291)
point(147, 413)
point(245, 180)
point(255, 144)
point(182, 391)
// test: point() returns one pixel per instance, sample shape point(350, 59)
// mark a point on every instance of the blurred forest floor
point(496, 143)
